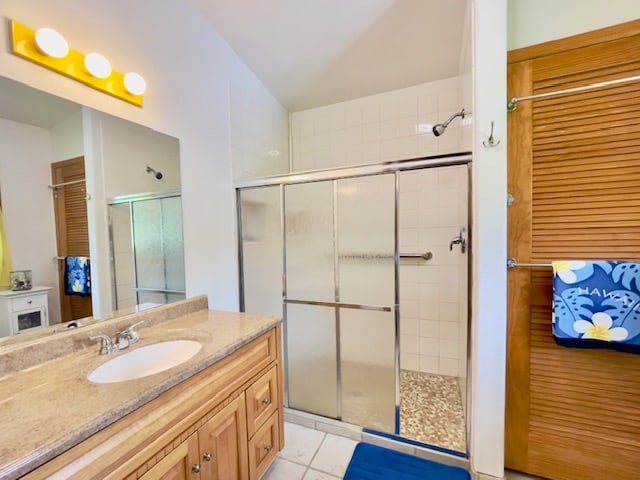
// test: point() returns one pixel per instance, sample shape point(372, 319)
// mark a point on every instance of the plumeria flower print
point(566, 270)
point(600, 329)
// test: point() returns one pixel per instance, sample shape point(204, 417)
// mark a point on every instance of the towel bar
point(513, 263)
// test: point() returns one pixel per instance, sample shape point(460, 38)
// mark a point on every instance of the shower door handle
point(461, 240)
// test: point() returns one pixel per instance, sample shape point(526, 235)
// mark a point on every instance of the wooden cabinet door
point(72, 231)
point(179, 464)
point(574, 172)
point(223, 444)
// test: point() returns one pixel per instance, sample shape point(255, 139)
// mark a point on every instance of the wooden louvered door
point(72, 233)
point(574, 171)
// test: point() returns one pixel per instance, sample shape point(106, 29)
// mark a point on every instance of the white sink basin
point(145, 361)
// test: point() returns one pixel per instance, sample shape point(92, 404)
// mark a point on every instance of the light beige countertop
point(48, 407)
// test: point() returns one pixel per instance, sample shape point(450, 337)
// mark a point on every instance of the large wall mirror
point(75, 185)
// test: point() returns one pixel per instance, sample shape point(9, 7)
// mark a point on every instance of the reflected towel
point(597, 304)
point(5, 256)
point(77, 276)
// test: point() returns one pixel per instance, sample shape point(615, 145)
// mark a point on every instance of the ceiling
point(310, 53)
point(23, 104)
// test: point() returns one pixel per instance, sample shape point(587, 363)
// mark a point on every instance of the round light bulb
point(51, 43)
point(97, 65)
point(134, 83)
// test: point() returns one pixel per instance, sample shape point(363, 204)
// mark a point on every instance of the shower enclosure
point(147, 252)
point(343, 255)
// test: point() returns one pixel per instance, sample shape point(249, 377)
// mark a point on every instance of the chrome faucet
point(128, 336)
point(106, 347)
point(124, 339)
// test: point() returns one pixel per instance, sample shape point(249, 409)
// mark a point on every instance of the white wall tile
point(429, 328)
point(410, 344)
point(410, 326)
point(429, 347)
point(448, 366)
point(409, 361)
point(449, 349)
point(429, 364)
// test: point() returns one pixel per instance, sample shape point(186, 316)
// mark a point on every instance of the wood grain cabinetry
point(224, 423)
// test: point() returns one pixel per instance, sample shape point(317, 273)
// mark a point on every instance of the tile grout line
point(324, 436)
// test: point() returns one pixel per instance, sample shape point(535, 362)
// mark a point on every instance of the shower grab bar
point(355, 306)
point(156, 290)
point(423, 256)
point(513, 263)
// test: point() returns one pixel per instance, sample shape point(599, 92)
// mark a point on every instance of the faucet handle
point(134, 336)
point(106, 347)
point(128, 336)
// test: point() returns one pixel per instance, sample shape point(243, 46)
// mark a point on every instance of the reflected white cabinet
point(23, 310)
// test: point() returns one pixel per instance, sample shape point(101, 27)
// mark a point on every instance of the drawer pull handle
point(265, 401)
point(206, 457)
point(30, 302)
point(268, 448)
point(196, 468)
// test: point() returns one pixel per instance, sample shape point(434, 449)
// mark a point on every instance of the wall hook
point(491, 141)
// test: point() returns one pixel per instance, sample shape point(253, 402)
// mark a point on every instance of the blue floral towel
point(597, 304)
point(77, 276)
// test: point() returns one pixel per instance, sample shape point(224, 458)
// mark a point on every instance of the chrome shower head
point(439, 128)
point(155, 173)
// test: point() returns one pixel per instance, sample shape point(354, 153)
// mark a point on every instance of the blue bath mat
point(370, 462)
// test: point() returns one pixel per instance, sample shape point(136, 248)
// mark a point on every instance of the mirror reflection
point(91, 209)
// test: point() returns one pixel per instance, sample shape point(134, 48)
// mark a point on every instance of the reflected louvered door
point(72, 233)
point(574, 170)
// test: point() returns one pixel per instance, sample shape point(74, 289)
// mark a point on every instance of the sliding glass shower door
point(339, 291)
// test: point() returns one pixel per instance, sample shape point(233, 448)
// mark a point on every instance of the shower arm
point(461, 113)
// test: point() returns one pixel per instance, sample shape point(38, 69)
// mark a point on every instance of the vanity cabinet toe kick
point(225, 422)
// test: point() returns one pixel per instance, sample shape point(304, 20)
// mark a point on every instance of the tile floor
point(314, 455)
point(311, 455)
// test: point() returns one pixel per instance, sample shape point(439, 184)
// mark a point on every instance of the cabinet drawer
point(28, 302)
point(263, 447)
point(262, 400)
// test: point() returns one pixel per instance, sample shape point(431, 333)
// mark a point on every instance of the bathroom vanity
point(218, 415)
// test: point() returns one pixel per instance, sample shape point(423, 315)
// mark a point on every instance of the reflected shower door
point(147, 251)
point(158, 250)
point(340, 295)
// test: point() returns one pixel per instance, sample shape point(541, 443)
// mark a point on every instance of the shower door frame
point(130, 200)
point(335, 174)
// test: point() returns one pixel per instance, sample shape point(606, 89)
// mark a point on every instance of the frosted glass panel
point(147, 241)
point(309, 241)
point(158, 249)
point(367, 346)
point(366, 220)
point(173, 243)
point(311, 359)
point(262, 250)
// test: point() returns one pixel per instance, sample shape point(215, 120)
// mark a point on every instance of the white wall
point(25, 172)
point(189, 71)
point(66, 138)
point(127, 151)
point(389, 126)
point(537, 21)
point(489, 292)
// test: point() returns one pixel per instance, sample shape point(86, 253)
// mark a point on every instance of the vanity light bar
point(93, 69)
